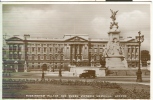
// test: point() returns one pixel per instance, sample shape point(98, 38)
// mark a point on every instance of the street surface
point(116, 79)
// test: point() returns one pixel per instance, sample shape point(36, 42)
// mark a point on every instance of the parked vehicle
point(88, 74)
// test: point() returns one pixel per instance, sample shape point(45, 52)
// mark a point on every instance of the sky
point(55, 20)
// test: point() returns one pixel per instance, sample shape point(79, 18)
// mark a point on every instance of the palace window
point(95, 57)
point(62, 50)
point(132, 49)
point(50, 57)
point(61, 57)
point(38, 57)
point(29, 58)
point(28, 49)
point(128, 49)
point(14, 47)
point(33, 49)
point(10, 56)
point(101, 50)
point(56, 50)
point(44, 57)
point(98, 50)
point(19, 48)
point(44, 49)
point(38, 66)
point(136, 50)
point(56, 56)
point(32, 57)
point(15, 56)
point(10, 48)
point(32, 66)
point(129, 57)
point(38, 49)
point(132, 56)
point(50, 49)
point(19, 56)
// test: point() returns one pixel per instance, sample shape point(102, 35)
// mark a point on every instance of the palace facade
point(72, 49)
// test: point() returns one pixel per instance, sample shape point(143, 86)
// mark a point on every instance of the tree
point(145, 56)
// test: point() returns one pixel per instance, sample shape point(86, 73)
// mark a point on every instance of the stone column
point(75, 51)
point(134, 52)
point(18, 51)
point(13, 51)
point(80, 49)
point(70, 53)
point(89, 54)
point(83, 51)
point(130, 52)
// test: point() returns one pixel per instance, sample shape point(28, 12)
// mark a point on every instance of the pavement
point(142, 83)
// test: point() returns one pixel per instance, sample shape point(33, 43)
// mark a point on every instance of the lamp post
point(60, 71)
point(139, 39)
point(53, 57)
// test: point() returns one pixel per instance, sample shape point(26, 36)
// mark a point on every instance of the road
point(117, 79)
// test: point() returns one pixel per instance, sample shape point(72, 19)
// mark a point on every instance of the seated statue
point(103, 62)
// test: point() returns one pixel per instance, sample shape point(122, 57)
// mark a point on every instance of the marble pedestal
point(116, 62)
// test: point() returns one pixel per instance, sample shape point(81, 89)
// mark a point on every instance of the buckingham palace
point(72, 49)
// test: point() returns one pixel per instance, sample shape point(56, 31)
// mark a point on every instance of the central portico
point(78, 49)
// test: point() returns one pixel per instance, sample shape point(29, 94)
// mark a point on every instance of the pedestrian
point(42, 78)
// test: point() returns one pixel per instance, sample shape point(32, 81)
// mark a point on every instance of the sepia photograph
point(76, 50)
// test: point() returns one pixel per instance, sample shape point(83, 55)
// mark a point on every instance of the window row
point(39, 49)
point(15, 48)
point(39, 67)
point(14, 56)
point(46, 45)
point(133, 50)
point(92, 45)
point(45, 57)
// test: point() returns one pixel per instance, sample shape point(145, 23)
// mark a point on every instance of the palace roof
point(68, 37)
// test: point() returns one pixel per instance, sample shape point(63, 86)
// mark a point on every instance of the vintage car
point(88, 74)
